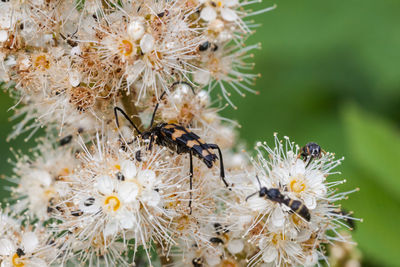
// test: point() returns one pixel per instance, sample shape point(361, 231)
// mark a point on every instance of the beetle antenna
point(258, 180)
point(186, 83)
point(126, 117)
point(251, 195)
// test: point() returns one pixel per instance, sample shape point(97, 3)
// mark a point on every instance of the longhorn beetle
point(179, 139)
point(275, 195)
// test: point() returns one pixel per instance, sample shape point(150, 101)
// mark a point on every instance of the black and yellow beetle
point(179, 139)
point(275, 195)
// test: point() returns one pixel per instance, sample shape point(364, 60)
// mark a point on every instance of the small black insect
point(197, 262)
point(120, 176)
point(204, 46)
point(20, 252)
point(69, 40)
point(219, 229)
point(216, 240)
point(89, 201)
point(65, 140)
point(179, 139)
point(138, 155)
point(76, 213)
point(311, 150)
point(274, 194)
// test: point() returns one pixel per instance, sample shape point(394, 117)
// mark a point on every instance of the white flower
point(117, 197)
point(209, 13)
point(282, 234)
point(25, 248)
point(136, 28)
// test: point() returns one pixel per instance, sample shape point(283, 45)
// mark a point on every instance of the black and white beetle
point(274, 194)
point(179, 139)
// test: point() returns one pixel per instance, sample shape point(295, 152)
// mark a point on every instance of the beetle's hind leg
point(221, 162)
point(151, 142)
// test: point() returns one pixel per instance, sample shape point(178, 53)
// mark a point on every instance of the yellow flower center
point(98, 241)
point(64, 172)
point(112, 203)
point(297, 220)
point(49, 192)
point(277, 238)
point(228, 263)
point(17, 261)
point(126, 47)
point(297, 185)
point(41, 62)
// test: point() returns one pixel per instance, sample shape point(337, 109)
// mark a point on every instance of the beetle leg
point(191, 180)
point(151, 142)
point(221, 162)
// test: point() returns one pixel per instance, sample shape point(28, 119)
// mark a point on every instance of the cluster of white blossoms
point(135, 160)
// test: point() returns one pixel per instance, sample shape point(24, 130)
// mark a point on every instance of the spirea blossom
point(136, 165)
point(24, 246)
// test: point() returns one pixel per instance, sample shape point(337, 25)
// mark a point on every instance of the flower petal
point(278, 217)
point(270, 254)
point(128, 191)
point(105, 185)
point(111, 228)
point(147, 177)
point(235, 246)
point(6, 247)
point(147, 43)
point(228, 14)
point(30, 242)
point(128, 169)
point(208, 14)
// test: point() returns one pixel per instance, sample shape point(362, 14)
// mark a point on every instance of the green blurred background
point(330, 74)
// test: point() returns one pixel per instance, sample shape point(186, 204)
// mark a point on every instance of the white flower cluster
point(135, 160)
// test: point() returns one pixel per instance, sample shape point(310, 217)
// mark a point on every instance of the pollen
point(64, 172)
point(125, 47)
point(41, 62)
point(49, 192)
point(82, 98)
point(296, 219)
point(228, 263)
point(297, 185)
point(277, 238)
point(17, 261)
point(117, 166)
point(112, 203)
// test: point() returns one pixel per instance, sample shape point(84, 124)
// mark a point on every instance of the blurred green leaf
point(375, 145)
point(378, 235)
